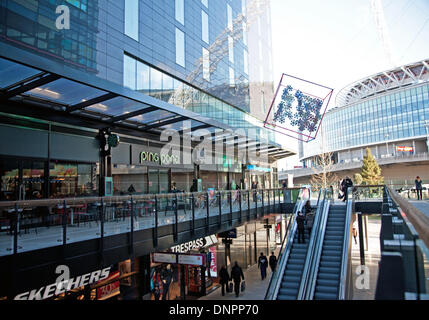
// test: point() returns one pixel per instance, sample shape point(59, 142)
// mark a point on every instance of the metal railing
point(35, 224)
point(285, 248)
point(405, 254)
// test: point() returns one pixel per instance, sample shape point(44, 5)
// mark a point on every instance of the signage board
point(229, 234)
point(404, 149)
point(110, 289)
point(191, 259)
point(160, 257)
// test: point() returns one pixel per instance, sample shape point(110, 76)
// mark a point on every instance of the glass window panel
point(11, 73)
point(180, 48)
point(205, 26)
point(229, 12)
point(116, 106)
point(66, 92)
point(142, 81)
point(206, 64)
point(180, 11)
point(231, 49)
point(129, 72)
point(132, 19)
point(205, 2)
point(152, 116)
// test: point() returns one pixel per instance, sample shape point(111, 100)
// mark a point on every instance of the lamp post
point(427, 133)
point(387, 147)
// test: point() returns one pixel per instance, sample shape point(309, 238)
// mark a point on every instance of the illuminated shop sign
point(155, 157)
point(405, 149)
point(255, 168)
point(195, 244)
point(62, 285)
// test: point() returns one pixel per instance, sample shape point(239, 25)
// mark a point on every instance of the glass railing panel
point(213, 203)
point(166, 209)
point(7, 222)
point(39, 226)
point(144, 213)
point(83, 221)
point(200, 205)
point(244, 197)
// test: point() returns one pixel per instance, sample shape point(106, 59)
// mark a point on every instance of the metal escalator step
point(329, 276)
point(329, 270)
point(333, 243)
point(330, 258)
point(330, 264)
point(285, 297)
point(335, 229)
point(290, 279)
point(330, 247)
point(294, 267)
point(325, 296)
point(290, 284)
point(289, 292)
point(327, 283)
point(327, 289)
point(292, 273)
point(299, 251)
point(335, 253)
point(294, 260)
point(338, 238)
point(297, 255)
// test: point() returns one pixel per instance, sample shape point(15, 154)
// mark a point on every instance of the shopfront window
point(72, 180)
point(129, 179)
point(9, 171)
point(33, 179)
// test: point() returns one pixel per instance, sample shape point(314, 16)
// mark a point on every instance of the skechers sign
point(64, 283)
point(155, 157)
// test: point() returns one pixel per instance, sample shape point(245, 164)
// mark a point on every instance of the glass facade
point(168, 35)
point(398, 115)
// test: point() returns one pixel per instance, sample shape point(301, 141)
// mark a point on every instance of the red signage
point(404, 149)
point(109, 290)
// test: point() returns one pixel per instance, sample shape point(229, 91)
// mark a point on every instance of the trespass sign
point(64, 283)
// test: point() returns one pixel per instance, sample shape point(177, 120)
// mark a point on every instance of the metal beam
point(190, 130)
point(30, 86)
point(133, 114)
point(91, 102)
point(165, 123)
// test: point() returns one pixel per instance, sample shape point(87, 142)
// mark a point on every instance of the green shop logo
point(155, 157)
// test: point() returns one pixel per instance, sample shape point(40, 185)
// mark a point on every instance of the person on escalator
point(300, 220)
point(345, 185)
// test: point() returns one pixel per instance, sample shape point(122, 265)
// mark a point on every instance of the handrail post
point(248, 205)
point(175, 235)
point(132, 226)
point(15, 229)
point(263, 202)
point(230, 206)
point(208, 212)
point(239, 203)
point(64, 222)
point(220, 207)
point(193, 213)
point(155, 230)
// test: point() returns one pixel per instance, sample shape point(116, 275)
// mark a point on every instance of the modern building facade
point(387, 112)
point(104, 97)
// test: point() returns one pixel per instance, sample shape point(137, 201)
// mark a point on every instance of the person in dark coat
point(419, 188)
point(166, 277)
point(262, 265)
point(300, 220)
point(237, 275)
point(345, 185)
point(224, 278)
point(307, 208)
point(273, 262)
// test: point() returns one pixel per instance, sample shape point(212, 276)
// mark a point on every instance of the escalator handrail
point(274, 284)
point(345, 253)
point(311, 247)
point(317, 252)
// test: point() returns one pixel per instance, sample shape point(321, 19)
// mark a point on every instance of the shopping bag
point(243, 286)
point(230, 287)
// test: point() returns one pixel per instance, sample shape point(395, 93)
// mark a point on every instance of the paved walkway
point(255, 287)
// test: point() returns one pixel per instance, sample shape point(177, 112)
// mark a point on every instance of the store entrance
point(158, 180)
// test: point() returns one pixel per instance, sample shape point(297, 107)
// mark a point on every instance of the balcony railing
point(37, 224)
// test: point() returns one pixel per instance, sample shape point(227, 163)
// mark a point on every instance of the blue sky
point(336, 42)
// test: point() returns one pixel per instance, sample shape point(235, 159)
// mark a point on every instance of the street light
point(386, 136)
point(427, 132)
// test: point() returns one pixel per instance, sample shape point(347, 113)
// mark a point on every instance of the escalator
point(327, 283)
point(286, 283)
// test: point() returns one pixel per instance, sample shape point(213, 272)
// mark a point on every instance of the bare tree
point(323, 177)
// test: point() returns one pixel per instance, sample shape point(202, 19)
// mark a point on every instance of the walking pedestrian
point(237, 275)
point(273, 262)
point(310, 219)
point(419, 188)
point(224, 279)
point(354, 230)
point(300, 220)
point(262, 265)
point(166, 277)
